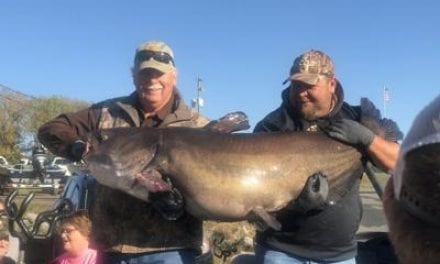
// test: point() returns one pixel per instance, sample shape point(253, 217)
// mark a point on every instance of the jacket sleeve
point(261, 127)
point(60, 133)
point(276, 120)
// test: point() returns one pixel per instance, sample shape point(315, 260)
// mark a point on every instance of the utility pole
point(197, 103)
point(386, 99)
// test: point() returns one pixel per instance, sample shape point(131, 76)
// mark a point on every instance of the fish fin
point(314, 195)
point(231, 122)
point(384, 127)
point(264, 219)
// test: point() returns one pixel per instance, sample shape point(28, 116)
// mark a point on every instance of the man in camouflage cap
point(127, 229)
point(326, 234)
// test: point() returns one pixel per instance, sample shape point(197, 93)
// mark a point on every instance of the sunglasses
point(146, 55)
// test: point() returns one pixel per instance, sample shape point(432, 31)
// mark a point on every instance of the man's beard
point(307, 112)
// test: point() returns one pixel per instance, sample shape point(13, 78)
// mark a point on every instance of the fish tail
point(372, 118)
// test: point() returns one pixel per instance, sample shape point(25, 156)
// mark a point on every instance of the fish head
point(123, 159)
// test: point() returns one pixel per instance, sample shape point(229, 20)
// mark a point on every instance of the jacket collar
point(179, 110)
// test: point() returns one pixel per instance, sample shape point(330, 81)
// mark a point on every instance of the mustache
point(150, 87)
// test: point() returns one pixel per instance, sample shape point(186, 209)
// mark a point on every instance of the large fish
point(226, 177)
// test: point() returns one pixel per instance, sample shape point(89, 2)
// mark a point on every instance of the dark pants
point(164, 257)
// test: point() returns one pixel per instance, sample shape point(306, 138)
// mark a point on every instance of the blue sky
point(242, 49)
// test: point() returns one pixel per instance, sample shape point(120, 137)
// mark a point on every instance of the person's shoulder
point(114, 101)
point(271, 121)
point(58, 259)
point(185, 116)
point(351, 111)
point(91, 256)
point(199, 119)
point(365, 108)
point(7, 260)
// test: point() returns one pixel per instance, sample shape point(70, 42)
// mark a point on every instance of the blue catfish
point(225, 177)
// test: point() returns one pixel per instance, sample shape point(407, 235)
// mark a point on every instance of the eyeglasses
point(66, 231)
point(156, 55)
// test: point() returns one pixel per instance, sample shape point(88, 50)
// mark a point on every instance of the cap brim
point(152, 64)
point(311, 79)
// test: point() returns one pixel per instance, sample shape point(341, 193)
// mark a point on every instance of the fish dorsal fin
point(231, 122)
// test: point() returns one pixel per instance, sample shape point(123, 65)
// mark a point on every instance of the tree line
point(20, 119)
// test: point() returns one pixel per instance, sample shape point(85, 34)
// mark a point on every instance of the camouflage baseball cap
point(154, 54)
point(310, 66)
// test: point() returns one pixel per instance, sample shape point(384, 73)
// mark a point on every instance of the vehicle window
point(64, 162)
point(61, 162)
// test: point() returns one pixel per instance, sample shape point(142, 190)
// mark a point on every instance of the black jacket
point(326, 235)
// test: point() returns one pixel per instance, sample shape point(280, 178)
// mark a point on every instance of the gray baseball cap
point(154, 54)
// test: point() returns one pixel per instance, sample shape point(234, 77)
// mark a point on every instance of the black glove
point(77, 150)
point(349, 131)
point(169, 204)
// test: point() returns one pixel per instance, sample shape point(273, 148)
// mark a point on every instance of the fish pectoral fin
point(314, 195)
point(264, 219)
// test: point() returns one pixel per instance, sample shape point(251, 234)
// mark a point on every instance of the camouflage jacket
point(122, 223)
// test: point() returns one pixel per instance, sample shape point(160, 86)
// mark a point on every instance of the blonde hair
point(80, 220)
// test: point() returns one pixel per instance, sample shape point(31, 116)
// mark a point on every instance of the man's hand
point(349, 131)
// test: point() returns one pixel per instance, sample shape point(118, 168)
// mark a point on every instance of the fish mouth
point(152, 180)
